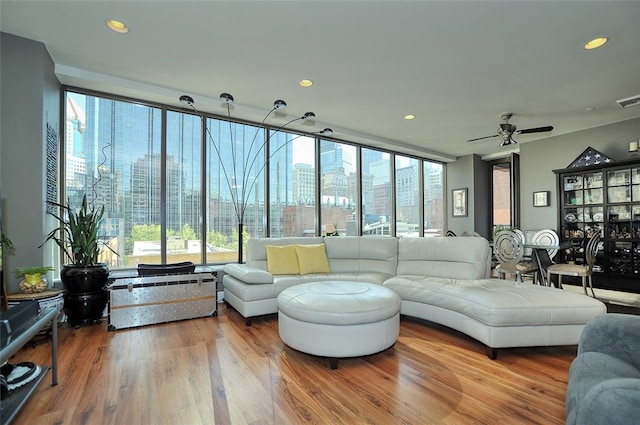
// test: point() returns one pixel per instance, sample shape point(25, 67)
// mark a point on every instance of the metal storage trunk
point(139, 301)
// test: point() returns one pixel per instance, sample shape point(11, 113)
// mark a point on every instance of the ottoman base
point(339, 319)
point(336, 341)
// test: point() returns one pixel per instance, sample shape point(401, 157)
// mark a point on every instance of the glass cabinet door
point(635, 220)
point(635, 185)
point(573, 190)
point(621, 216)
point(605, 201)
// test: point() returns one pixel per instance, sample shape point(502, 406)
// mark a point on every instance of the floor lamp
point(240, 198)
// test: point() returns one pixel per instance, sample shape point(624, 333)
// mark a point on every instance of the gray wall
point(469, 172)
point(30, 98)
point(538, 159)
point(482, 196)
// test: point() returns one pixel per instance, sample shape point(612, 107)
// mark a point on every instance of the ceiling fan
point(506, 131)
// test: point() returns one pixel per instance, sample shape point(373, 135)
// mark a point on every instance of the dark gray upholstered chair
point(604, 379)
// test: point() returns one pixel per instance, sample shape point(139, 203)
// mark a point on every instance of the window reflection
point(181, 201)
point(338, 189)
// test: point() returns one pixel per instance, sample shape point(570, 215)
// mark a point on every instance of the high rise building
point(304, 184)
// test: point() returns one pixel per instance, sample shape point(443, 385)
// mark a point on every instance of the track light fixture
point(187, 100)
point(226, 97)
point(242, 172)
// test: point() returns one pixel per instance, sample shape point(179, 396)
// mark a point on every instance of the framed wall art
point(541, 199)
point(459, 203)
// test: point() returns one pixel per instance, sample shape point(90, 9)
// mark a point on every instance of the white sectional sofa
point(442, 280)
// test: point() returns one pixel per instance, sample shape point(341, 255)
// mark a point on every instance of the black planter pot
point(85, 295)
point(85, 309)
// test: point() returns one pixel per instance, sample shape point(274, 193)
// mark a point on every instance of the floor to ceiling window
point(408, 200)
point(112, 152)
point(433, 198)
point(292, 184)
point(183, 188)
point(504, 193)
point(338, 189)
point(376, 192)
point(176, 184)
point(235, 186)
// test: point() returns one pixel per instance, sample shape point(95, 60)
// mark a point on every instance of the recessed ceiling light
point(306, 83)
point(409, 117)
point(595, 43)
point(116, 26)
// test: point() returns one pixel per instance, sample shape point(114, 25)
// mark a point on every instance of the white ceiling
point(455, 65)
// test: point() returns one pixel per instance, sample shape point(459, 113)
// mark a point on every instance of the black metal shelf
point(11, 405)
point(17, 398)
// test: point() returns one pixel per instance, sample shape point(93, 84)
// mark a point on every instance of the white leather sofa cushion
point(362, 254)
point(250, 292)
point(248, 274)
point(371, 277)
point(497, 302)
point(457, 258)
point(269, 290)
point(339, 303)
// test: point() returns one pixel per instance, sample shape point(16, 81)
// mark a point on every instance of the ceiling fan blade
point(534, 130)
point(480, 138)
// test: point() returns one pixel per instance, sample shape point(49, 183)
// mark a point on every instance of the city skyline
point(116, 150)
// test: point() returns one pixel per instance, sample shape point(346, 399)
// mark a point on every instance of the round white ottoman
point(339, 319)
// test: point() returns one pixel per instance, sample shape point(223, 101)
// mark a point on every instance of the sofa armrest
point(615, 334)
point(248, 274)
point(611, 402)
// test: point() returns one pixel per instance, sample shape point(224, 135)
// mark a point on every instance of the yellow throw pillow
point(282, 259)
point(312, 259)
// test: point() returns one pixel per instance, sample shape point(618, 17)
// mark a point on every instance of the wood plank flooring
point(219, 371)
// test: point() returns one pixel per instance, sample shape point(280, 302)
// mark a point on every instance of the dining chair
point(547, 237)
point(508, 248)
point(584, 271)
point(543, 261)
point(471, 233)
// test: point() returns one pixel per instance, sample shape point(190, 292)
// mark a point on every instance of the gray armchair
point(604, 379)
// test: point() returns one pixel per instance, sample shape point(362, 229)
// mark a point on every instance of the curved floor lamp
point(240, 198)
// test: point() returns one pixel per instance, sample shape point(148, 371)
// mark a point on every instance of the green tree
point(217, 239)
point(188, 233)
point(145, 232)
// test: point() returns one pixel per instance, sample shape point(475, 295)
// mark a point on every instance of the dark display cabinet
point(603, 199)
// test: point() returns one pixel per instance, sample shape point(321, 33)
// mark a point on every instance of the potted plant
point(33, 280)
point(84, 277)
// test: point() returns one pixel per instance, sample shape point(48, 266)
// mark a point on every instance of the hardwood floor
point(218, 371)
